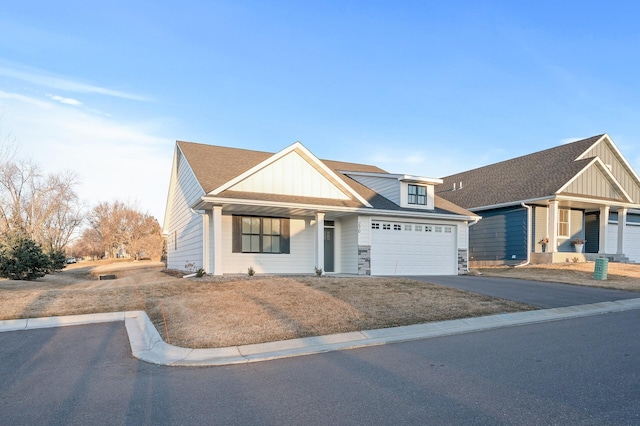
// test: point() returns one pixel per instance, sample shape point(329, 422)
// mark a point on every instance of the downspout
point(528, 236)
point(205, 251)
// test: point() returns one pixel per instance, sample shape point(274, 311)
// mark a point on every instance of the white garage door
point(631, 241)
point(399, 248)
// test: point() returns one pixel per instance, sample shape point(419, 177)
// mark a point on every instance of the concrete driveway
point(537, 293)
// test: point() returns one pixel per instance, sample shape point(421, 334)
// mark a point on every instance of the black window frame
point(417, 195)
point(262, 233)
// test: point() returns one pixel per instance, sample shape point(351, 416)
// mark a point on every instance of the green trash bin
point(601, 268)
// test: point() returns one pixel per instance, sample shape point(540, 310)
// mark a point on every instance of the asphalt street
point(542, 294)
point(579, 371)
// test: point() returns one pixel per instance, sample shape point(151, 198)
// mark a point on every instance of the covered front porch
point(574, 229)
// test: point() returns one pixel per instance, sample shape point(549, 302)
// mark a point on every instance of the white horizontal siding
point(463, 236)
point(184, 242)
point(300, 260)
point(291, 175)
point(387, 187)
point(349, 245)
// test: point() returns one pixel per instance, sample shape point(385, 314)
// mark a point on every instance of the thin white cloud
point(23, 99)
point(113, 160)
point(66, 101)
point(55, 82)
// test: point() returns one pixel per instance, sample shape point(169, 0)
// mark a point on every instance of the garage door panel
point(407, 251)
point(631, 241)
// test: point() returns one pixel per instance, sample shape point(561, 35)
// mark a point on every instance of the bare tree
point(46, 208)
point(119, 226)
point(107, 219)
point(88, 245)
point(140, 228)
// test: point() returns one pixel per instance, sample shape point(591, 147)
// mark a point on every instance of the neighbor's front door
point(328, 249)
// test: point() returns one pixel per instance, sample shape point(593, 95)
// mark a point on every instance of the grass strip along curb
point(147, 345)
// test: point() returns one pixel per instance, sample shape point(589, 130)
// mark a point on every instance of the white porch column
point(552, 226)
point(622, 225)
point(604, 229)
point(206, 241)
point(216, 247)
point(320, 241)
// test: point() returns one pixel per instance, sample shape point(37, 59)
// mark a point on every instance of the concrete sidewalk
point(147, 345)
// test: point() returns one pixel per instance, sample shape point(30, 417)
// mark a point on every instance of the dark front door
point(592, 232)
point(328, 250)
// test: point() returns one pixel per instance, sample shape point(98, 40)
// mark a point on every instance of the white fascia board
point(610, 203)
point(510, 203)
point(277, 156)
point(400, 177)
point(598, 162)
point(323, 208)
point(621, 157)
point(602, 138)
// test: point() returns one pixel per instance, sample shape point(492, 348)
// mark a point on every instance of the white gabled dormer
point(412, 192)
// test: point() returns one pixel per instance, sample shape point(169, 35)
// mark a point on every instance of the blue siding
point(500, 235)
point(631, 218)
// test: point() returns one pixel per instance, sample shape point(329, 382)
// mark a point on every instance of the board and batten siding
point(349, 245)
point(500, 235)
point(593, 183)
point(387, 187)
point(300, 260)
point(290, 175)
point(184, 242)
point(622, 174)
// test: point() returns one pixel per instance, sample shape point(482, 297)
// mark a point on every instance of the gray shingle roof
point(536, 175)
point(213, 166)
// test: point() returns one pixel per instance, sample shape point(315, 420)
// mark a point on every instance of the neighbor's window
point(260, 234)
point(417, 195)
point(563, 223)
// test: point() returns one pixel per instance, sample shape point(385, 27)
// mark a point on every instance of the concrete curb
point(147, 345)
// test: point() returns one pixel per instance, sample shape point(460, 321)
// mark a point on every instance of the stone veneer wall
point(463, 266)
point(364, 260)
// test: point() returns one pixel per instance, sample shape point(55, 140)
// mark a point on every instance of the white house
point(229, 209)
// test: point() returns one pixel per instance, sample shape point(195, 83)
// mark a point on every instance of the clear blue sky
point(420, 87)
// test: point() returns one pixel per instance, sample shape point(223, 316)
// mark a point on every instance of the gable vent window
point(375, 225)
point(260, 235)
point(417, 195)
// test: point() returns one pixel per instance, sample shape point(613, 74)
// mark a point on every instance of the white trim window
point(563, 223)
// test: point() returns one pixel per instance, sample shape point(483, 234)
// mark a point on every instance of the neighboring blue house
point(536, 207)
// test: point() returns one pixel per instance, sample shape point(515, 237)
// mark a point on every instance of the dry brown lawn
point(219, 312)
point(622, 276)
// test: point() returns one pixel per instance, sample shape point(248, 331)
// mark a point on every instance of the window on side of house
point(563, 223)
point(417, 195)
point(260, 234)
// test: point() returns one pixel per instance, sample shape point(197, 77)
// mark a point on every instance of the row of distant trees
point(42, 221)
